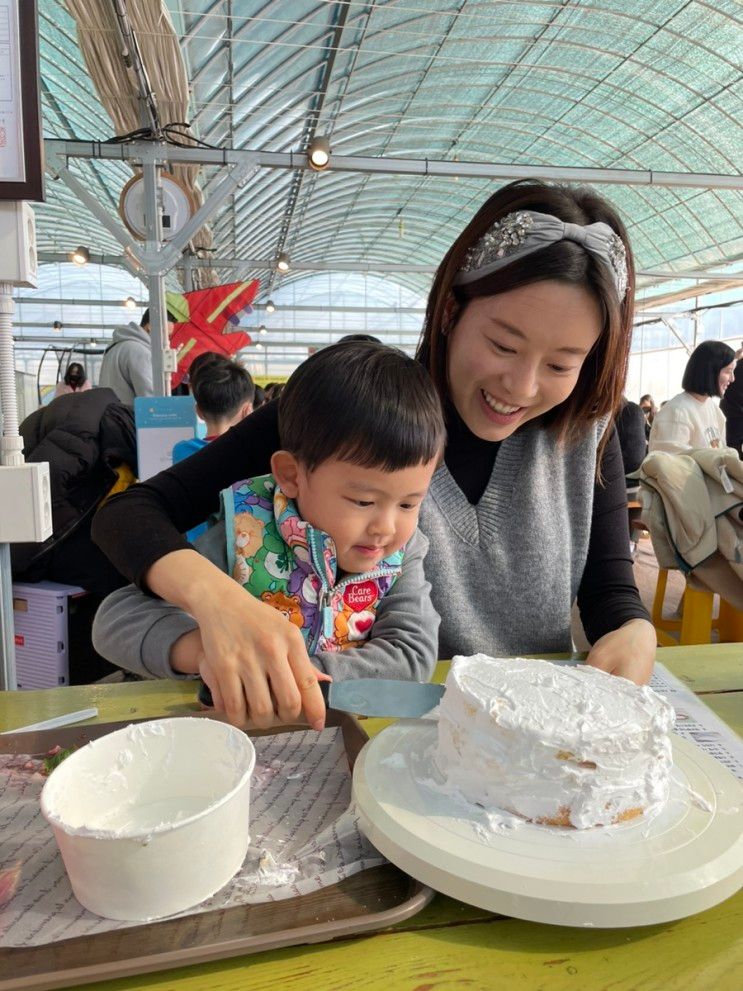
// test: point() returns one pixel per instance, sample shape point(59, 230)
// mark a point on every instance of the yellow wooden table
point(450, 946)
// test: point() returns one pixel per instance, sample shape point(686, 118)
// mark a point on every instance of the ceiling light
point(318, 154)
point(282, 262)
point(259, 347)
point(270, 306)
point(57, 325)
point(262, 329)
point(80, 256)
point(130, 303)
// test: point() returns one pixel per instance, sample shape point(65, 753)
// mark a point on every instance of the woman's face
point(514, 356)
point(725, 377)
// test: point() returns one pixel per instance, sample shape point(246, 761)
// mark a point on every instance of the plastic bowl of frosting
point(152, 819)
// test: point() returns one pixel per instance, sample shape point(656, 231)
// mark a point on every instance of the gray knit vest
point(504, 573)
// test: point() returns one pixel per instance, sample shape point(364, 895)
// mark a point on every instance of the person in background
point(630, 426)
point(259, 397)
point(527, 336)
point(273, 391)
point(75, 380)
point(692, 419)
point(223, 392)
point(127, 361)
point(649, 409)
point(327, 540)
point(732, 407)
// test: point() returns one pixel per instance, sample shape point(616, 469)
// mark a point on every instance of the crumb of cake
point(628, 815)
point(560, 818)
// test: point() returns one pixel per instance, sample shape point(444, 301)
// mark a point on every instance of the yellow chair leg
point(696, 617)
point(730, 623)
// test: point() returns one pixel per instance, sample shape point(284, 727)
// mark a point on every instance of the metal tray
point(368, 901)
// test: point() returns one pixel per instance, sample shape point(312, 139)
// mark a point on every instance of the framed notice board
point(21, 163)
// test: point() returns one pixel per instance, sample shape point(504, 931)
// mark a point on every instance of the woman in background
point(75, 380)
point(692, 419)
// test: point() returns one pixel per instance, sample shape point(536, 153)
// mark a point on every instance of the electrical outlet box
point(170, 360)
point(18, 261)
point(26, 501)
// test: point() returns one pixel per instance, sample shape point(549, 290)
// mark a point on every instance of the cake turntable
point(683, 860)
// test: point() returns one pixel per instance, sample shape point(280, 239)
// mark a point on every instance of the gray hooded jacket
point(127, 364)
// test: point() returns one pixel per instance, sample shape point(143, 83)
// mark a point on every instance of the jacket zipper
point(326, 618)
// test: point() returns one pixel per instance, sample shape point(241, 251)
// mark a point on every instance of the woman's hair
point(75, 375)
point(361, 402)
point(703, 368)
point(598, 391)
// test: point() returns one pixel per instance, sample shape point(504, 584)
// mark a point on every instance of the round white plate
point(682, 861)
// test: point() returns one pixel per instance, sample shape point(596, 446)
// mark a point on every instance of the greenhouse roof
point(651, 88)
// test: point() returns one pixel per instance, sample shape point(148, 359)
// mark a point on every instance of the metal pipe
point(144, 151)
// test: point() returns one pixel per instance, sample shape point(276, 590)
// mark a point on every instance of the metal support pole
point(11, 453)
point(155, 281)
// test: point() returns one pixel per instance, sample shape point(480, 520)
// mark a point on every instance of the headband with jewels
point(520, 234)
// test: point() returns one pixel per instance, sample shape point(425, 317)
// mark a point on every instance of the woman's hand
point(255, 661)
point(628, 651)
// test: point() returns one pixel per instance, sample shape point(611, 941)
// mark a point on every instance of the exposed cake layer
point(553, 743)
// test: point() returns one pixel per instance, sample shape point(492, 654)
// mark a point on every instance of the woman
point(75, 380)
point(692, 419)
point(527, 337)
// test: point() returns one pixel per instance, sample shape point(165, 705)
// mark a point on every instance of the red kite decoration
point(205, 321)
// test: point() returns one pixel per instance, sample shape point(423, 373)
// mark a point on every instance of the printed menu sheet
point(697, 722)
point(304, 836)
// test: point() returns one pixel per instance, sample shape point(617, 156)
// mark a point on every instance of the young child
point(329, 538)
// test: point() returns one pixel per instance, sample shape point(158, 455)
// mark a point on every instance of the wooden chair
point(697, 621)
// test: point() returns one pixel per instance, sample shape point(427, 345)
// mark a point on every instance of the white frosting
point(551, 742)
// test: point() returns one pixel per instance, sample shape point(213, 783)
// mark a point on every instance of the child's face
point(368, 512)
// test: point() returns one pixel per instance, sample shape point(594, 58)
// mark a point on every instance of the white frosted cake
point(554, 744)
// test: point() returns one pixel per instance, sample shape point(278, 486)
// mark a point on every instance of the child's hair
point(361, 402)
point(220, 387)
point(75, 375)
point(601, 381)
point(201, 361)
point(702, 372)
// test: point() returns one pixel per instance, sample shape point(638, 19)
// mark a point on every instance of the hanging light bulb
point(282, 262)
point(270, 306)
point(318, 154)
point(262, 329)
point(80, 256)
point(130, 303)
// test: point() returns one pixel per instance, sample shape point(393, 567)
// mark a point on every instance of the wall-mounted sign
point(21, 166)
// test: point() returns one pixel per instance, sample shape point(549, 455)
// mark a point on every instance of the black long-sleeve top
point(138, 527)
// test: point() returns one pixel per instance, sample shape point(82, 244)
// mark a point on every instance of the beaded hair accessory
point(520, 234)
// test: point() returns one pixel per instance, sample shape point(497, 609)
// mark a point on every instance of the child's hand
point(255, 662)
point(628, 651)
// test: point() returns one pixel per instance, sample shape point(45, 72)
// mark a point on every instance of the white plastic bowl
point(152, 819)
